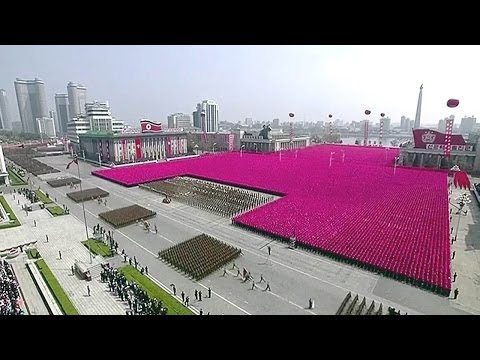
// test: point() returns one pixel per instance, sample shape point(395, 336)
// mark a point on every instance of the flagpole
point(83, 209)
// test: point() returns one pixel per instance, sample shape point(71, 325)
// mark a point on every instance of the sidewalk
point(29, 290)
point(467, 254)
point(65, 234)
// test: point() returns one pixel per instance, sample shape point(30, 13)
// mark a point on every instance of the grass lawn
point(12, 216)
point(42, 197)
point(56, 210)
point(98, 247)
point(33, 254)
point(62, 298)
point(174, 306)
point(15, 179)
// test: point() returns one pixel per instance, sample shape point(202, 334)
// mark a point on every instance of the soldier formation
point(219, 199)
point(199, 256)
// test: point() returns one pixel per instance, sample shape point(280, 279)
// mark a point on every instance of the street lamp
point(241, 150)
point(196, 149)
point(395, 165)
point(462, 200)
point(256, 147)
point(331, 157)
point(213, 147)
point(99, 159)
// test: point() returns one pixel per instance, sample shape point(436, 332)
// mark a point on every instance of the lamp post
point(83, 209)
point(99, 159)
point(241, 150)
point(196, 149)
point(395, 165)
point(331, 157)
point(462, 200)
point(256, 147)
point(213, 147)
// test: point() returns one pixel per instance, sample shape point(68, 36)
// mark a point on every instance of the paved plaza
point(294, 275)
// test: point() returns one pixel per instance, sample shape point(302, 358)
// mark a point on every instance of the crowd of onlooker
point(139, 302)
point(9, 292)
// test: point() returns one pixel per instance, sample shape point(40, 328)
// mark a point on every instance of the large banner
point(138, 148)
point(125, 149)
point(231, 141)
point(150, 127)
point(169, 147)
point(424, 137)
point(100, 149)
point(448, 137)
point(108, 150)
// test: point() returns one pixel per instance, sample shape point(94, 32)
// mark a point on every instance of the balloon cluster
point(451, 103)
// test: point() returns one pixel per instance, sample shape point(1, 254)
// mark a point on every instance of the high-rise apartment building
point(61, 105)
point(179, 120)
point(32, 103)
point(441, 125)
point(77, 98)
point(206, 116)
point(5, 119)
point(467, 124)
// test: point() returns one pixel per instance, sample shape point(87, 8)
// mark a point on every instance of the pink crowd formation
point(358, 209)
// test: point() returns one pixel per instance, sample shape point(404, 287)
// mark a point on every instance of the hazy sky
point(262, 82)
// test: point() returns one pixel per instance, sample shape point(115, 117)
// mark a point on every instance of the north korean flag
point(150, 127)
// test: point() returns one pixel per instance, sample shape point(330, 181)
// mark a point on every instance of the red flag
point(138, 148)
point(150, 127)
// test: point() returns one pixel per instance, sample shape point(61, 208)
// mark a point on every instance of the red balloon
point(367, 112)
point(382, 115)
point(330, 115)
point(291, 114)
point(451, 103)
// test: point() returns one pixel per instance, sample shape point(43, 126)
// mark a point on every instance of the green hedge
point(62, 298)
point(43, 197)
point(33, 254)
point(98, 247)
point(174, 306)
point(12, 216)
point(56, 210)
point(15, 179)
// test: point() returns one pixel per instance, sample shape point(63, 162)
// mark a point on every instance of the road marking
point(245, 249)
point(247, 234)
point(229, 242)
point(155, 255)
point(290, 302)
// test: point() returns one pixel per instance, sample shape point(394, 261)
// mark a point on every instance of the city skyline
point(310, 81)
